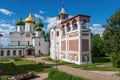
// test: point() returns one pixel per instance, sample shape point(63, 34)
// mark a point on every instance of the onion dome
point(30, 19)
point(39, 23)
point(20, 22)
point(38, 28)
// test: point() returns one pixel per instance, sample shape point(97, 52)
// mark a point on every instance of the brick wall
point(85, 45)
point(73, 45)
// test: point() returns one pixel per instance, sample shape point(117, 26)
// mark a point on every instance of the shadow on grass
point(12, 69)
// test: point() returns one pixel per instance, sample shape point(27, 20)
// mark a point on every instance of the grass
point(59, 75)
point(20, 67)
point(98, 64)
point(3, 60)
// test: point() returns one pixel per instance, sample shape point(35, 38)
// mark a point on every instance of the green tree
point(97, 46)
point(111, 36)
point(116, 48)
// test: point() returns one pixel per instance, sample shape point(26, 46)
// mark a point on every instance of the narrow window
point(14, 52)
point(28, 43)
point(83, 24)
point(8, 52)
point(20, 52)
point(18, 43)
point(39, 51)
point(39, 43)
point(75, 25)
point(57, 34)
point(68, 27)
point(2, 53)
point(63, 30)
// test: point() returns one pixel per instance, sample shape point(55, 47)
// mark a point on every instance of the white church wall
point(52, 43)
point(42, 45)
point(11, 52)
point(29, 27)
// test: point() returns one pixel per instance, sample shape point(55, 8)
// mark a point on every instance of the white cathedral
point(28, 40)
point(70, 39)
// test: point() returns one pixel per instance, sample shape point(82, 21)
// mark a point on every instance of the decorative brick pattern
point(85, 57)
point(73, 45)
point(73, 56)
point(85, 45)
point(74, 34)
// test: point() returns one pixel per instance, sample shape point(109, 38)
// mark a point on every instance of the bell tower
point(62, 16)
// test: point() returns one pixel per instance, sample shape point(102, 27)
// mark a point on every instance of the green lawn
point(98, 63)
point(3, 60)
point(20, 67)
point(59, 75)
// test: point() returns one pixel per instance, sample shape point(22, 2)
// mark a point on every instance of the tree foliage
point(97, 45)
point(111, 36)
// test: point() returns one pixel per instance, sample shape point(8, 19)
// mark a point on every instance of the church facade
point(28, 40)
point(70, 39)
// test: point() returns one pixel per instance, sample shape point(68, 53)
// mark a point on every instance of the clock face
point(27, 35)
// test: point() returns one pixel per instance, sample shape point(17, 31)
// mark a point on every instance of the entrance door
point(30, 52)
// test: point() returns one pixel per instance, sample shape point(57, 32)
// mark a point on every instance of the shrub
point(56, 74)
point(16, 58)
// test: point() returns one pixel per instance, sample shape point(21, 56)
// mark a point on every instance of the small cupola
point(62, 16)
point(20, 22)
point(39, 25)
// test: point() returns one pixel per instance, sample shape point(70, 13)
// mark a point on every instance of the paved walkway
point(92, 75)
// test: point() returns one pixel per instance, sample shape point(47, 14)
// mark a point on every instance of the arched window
point(63, 30)
point(39, 52)
point(14, 52)
point(39, 43)
point(68, 27)
point(28, 43)
point(57, 33)
point(20, 52)
point(18, 43)
point(8, 52)
point(83, 24)
point(2, 53)
point(74, 25)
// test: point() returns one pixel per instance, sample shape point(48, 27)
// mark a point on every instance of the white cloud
point(5, 29)
point(6, 12)
point(42, 12)
point(97, 29)
point(70, 16)
point(51, 21)
point(38, 16)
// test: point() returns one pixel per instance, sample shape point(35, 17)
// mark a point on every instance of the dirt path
point(92, 75)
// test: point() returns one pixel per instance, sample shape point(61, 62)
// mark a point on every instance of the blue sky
point(47, 10)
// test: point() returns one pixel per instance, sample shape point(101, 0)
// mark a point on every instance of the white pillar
point(38, 33)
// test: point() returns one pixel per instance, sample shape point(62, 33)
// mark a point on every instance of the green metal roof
point(39, 23)
point(38, 28)
point(20, 22)
point(12, 47)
